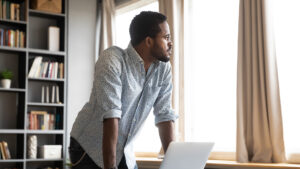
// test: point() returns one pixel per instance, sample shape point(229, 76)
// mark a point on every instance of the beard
point(160, 54)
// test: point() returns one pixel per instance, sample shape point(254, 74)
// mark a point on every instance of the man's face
point(162, 48)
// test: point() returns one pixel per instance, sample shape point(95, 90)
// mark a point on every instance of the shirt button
point(134, 120)
point(129, 134)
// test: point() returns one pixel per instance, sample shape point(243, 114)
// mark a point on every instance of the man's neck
point(145, 55)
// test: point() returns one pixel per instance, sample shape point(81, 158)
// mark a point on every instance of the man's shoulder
point(114, 51)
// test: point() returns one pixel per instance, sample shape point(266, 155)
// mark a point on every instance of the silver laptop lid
point(183, 155)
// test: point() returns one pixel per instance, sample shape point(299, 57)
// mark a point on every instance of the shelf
point(40, 159)
point(45, 131)
point(45, 104)
point(47, 52)
point(8, 21)
point(12, 90)
point(11, 161)
point(46, 79)
point(33, 12)
point(12, 49)
point(12, 131)
point(16, 103)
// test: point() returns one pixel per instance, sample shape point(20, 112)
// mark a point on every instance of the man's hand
point(166, 133)
point(110, 139)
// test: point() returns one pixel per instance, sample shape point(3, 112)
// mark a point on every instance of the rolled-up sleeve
point(108, 85)
point(162, 107)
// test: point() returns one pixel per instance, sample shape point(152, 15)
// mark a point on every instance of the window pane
point(210, 72)
point(287, 34)
point(148, 139)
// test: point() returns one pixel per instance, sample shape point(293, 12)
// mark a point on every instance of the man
point(127, 84)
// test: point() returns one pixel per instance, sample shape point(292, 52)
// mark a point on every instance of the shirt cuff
point(169, 115)
point(113, 113)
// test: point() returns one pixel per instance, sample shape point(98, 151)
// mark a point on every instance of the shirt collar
point(133, 53)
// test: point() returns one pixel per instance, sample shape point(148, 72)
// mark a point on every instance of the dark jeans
point(76, 152)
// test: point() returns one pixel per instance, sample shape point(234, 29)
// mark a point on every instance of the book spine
point(2, 151)
point(53, 94)
point(12, 11)
point(57, 94)
point(6, 149)
point(47, 94)
point(43, 94)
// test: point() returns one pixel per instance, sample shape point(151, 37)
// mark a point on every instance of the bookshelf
point(24, 96)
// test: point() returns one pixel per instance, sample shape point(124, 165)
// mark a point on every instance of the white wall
point(81, 46)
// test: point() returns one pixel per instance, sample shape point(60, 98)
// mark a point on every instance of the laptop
point(183, 155)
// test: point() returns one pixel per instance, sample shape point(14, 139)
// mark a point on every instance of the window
point(148, 139)
point(287, 35)
point(210, 72)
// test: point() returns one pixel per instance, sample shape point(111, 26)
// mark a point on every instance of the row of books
point(11, 11)
point(53, 98)
point(5, 153)
point(46, 69)
point(12, 38)
point(42, 120)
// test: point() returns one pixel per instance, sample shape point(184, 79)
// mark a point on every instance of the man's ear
point(149, 41)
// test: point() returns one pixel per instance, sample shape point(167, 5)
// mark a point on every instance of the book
point(45, 69)
point(57, 121)
point(53, 38)
point(1, 36)
point(41, 70)
point(37, 121)
point(17, 40)
point(57, 95)
point(55, 70)
point(43, 94)
point(12, 11)
point(2, 151)
point(4, 9)
point(22, 11)
point(34, 67)
point(47, 94)
point(53, 94)
point(1, 16)
point(49, 70)
point(41, 120)
point(60, 69)
point(7, 10)
point(17, 11)
point(6, 149)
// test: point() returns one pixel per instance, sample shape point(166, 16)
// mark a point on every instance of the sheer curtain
point(287, 37)
point(211, 33)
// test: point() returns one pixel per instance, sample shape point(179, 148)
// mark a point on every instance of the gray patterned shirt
point(123, 89)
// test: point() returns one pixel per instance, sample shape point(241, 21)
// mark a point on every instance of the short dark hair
point(145, 24)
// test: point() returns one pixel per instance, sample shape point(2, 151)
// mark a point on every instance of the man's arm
point(110, 138)
point(166, 133)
